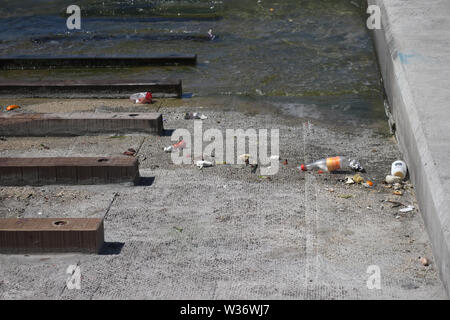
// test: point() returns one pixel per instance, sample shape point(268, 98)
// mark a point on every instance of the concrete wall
point(413, 49)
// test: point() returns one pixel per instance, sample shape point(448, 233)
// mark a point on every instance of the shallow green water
point(309, 58)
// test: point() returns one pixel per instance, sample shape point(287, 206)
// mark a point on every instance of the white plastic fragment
point(202, 164)
point(390, 179)
point(349, 181)
point(407, 209)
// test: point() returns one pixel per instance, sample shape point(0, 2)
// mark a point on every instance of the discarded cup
point(399, 169)
point(142, 97)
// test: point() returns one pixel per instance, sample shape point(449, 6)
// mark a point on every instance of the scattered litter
point(357, 178)
point(179, 145)
point(349, 181)
point(407, 209)
point(333, 164)
point(178, 229)
point(142, 97)
point(397, 186)
point(194, 115)
point(12, 107)
point(398, 192)
point(44, 146)
point(210, 35)
point(320, 172)
point(368, 184)
point(345, 196)
point(390, 179)
point(355, 165)
point(399, 169)
point(424, 261)
point(285, 162)
point(130, 152)
point(275, 157)
point(202, 163)
point(395, 204)
point(39, 213)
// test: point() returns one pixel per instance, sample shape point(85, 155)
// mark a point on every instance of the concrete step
point(103, 89)
point(49, 62)
point(36, 235)
point(68, 170)
point(79, 123)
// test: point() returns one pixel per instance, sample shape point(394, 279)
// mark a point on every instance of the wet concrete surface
point(224, 232)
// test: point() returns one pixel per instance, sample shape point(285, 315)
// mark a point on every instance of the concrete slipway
point(413, 48)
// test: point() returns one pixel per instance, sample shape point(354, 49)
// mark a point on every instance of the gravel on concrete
point(224, 232)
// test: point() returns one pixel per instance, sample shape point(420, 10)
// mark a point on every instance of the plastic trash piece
point(368, 184)
point(349, 180)
point(210, 35)
point(202, 164)
point(424, 261)
point(392, 179)
point(130, 152)
point(333, 164)
point(142, 97)
point(12, 107)
point(179, 145)
point(407, 209)
point(399, 169)
point(357, 178)
point(195, 115)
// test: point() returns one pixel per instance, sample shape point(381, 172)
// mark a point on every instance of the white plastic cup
point(399, 169)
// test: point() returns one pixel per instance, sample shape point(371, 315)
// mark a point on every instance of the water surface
point(309, 58)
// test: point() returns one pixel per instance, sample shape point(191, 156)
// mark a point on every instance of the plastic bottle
point(333, 164)
point(399, 169)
